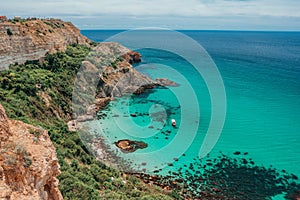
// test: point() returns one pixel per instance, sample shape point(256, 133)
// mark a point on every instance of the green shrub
point(28, 162)
point(34, 132)
point(9, 32)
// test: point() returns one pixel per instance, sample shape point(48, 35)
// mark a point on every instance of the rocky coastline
point(28, 162)
point(189, 184)
point(117, 77)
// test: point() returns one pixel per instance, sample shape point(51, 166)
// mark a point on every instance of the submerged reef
point(226, 178)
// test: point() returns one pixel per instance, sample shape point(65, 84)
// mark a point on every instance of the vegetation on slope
point(40, 94)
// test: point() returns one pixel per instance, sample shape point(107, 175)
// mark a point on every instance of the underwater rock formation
point(225, 178)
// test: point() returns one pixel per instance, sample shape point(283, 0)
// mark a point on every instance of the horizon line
point(207, 30)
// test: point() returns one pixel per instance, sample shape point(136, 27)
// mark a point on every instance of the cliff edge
point(28, 163)
point(32, 39)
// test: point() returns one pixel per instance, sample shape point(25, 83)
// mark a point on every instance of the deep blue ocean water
point(261, 74)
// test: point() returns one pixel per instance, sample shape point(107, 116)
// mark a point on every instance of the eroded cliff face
point(28, 163)
point(105, 74)
point(120, 78)
point(32, 39)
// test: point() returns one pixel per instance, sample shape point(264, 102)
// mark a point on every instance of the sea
point(260, 72)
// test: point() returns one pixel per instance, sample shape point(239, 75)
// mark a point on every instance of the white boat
point(173, 122)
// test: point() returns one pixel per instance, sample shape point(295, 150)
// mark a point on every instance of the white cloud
point(187, 8)
point(165, 10)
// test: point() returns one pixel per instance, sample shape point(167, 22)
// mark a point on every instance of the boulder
point(129, 146)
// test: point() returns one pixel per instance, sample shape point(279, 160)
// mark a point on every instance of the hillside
point(40, 93)
point(32, 39)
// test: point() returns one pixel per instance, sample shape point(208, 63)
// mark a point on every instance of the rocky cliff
point(28, 163)
point(106, 73)
point(120, 77)
point(32, 39)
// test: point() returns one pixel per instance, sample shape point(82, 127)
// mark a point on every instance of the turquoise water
point(261, 74)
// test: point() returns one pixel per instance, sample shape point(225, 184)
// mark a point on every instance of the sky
point(173, 14)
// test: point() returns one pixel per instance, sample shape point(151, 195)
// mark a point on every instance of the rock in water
point(129, 146)
point(166, 82)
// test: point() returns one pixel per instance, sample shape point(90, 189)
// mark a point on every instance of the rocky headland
point(109, 66)
point(33, 39)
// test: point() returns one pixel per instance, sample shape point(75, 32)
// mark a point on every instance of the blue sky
point(173, 14)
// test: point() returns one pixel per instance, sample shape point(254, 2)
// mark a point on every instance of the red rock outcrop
point(133, 57)
point(28, 163)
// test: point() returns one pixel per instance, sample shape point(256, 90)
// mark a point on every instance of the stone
point(133, 57)
point(129, 146)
